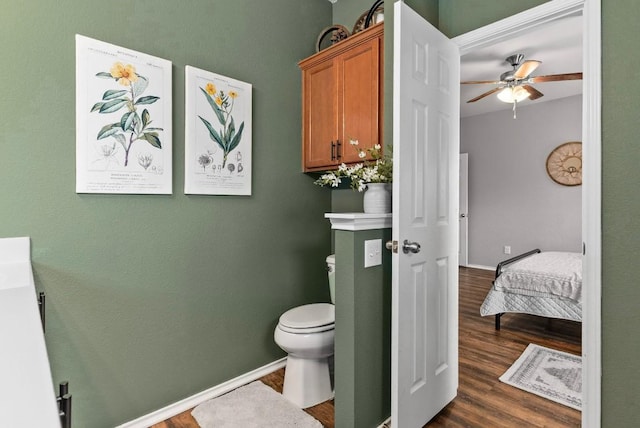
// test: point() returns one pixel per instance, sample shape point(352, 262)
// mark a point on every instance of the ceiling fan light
point(513, 94)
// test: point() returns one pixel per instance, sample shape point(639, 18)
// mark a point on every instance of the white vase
point(377, 198)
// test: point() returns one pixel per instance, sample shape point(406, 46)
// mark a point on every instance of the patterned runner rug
point(255, 405)
point(551, 374)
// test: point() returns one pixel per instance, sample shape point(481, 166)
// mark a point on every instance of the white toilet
point(306, 333)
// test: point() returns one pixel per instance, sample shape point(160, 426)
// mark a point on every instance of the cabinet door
point(320, 116)
point(358, 98)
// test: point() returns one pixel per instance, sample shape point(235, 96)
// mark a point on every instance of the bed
point(547, 284)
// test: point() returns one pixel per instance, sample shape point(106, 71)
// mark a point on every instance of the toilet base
point(307, 381)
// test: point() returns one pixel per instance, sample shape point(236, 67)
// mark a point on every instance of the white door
point(424, 344)
point(463, 251)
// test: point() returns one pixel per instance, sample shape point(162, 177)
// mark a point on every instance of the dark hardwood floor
point(485, 354)
point(483, 401)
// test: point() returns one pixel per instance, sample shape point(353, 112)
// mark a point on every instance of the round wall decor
point(336, 34)
point(564, 164)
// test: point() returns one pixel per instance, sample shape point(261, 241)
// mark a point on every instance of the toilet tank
point(331, 273)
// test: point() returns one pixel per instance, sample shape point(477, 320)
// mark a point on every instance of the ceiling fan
point(515, 85)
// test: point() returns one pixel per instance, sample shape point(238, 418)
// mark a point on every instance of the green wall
point(363, 332)
point(151, 299)
point(460, 16)
point(347, 12)
point(620, 225)
point(154, 298)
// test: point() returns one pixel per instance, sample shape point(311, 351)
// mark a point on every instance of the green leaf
point(139, 86)
point(155, 129)
point(236, 139)
point(152, 138)
point(96, 106)
point(104, 75)
point(214, 106)
point(113, 105)
point(213, 133)
point(108, 130)
point(112, 93)
point(126, 121)
point(137, 123)
point(146, 118)
point(147, 100)
point(232, 129)
point(121, 139)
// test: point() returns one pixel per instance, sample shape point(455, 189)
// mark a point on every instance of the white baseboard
point(481, 267)
point(386, 424)
point(190, 402)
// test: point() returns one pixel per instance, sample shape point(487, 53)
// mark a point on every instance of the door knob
point(463, 215)
point(392, 245)
point(410, 247)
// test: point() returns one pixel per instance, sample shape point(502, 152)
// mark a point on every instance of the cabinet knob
point(333, 151)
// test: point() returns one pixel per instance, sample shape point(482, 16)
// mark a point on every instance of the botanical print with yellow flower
point(226, 136)
point(132, 125)
point(218, 131)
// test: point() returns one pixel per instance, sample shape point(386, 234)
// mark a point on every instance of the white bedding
point(556, 274)
point(498, 302)
point(547, 284)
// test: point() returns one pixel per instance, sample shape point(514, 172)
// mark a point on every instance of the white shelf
point(359, 221)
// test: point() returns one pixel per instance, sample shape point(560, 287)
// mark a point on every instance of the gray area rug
point(551, 374)
point(253, 405)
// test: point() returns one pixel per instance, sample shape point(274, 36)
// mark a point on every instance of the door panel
point(359, 99)
point(319, 113)
point(425, 282)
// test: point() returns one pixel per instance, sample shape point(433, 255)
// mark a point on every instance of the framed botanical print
point(218, 141)
point(123, 120)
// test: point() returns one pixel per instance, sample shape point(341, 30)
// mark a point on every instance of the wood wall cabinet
point(342, 100)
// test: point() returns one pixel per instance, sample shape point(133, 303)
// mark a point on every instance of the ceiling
point(557, 44)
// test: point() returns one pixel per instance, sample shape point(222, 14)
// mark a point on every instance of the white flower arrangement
point(379, 170)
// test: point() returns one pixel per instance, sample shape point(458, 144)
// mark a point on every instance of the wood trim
point(344, 45)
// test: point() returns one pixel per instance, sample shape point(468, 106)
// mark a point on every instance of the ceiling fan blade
point(534, 94)
point(556, 77)
point(526, 68)
point(486, 94)
point(473, 82)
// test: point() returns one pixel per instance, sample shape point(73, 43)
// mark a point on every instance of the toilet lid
point(309, 316)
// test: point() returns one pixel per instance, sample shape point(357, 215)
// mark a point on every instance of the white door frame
point(591, 184)
point(463, 251)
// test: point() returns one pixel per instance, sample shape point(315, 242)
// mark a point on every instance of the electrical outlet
point(507, 249)
point(372, 252)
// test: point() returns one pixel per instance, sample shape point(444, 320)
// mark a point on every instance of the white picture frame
point(123, 120)
point(218, 134)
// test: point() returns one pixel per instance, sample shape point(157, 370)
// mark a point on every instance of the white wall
point(512, 200)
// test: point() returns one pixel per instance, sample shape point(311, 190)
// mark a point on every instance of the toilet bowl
point(306, 334)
